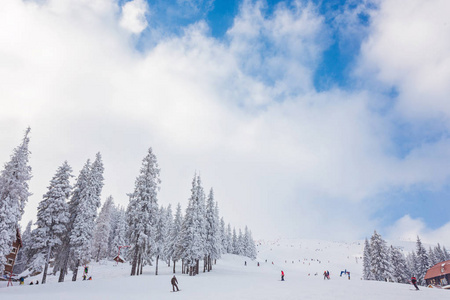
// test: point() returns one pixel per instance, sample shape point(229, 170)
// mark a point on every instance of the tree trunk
point(75, 270)
point(138, 265)
point(142, 266)
point(173, 267)
point(134, 263)
point(156, 267)
point(44, 275)
point(197, 267)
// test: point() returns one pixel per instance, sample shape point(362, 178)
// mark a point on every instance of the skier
point(245, 263)
point(282, 276)
point(174, 282)
point(325, 275)
point(414, 282)
point(22, 280)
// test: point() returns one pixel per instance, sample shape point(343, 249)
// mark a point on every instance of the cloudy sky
point(324, 119)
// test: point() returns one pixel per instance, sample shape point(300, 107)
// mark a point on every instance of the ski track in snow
point(230, 279)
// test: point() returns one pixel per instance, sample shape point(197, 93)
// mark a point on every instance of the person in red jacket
point(414, 281)
point(282, 276)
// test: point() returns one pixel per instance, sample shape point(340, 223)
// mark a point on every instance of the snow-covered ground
point(231, 279)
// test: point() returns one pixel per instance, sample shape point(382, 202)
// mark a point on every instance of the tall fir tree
point(142, 214)
point(223, 236)
point(367, 271)
point(399, 269)
point(118, 235)
point(52, 219)
point(85, 213)
point(379, 262)
point(212, 241)
point(161, 237)
point(174, 250)
point(422, 262)
point(193, 229)
point(14, 193)
point(102, 230)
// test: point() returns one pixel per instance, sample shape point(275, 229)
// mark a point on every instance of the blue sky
point(294, 110)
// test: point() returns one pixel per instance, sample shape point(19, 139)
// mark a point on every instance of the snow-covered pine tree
point(446, 253)
point(159, 249)
point(399, 269)
point(212, 248)
point(119, 233)
point(367, 271)
point(234, 242)
point(439, 253)
point(411, 259)
point(89, 191)
point(193, 229)
point(52, 219)
point(432, 259)
point(102, 230)
point(174, 250)
point(24, 254)
point(142, 214)
point(217, 250)
point(379, 263)
point(169, 224)
point(14, 193)
point(422, 262)
point(223, 236)
point(63, 256)
point(249, 244)
point(240, 244)
point(229, 244)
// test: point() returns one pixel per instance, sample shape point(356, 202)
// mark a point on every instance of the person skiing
point(282, 276)
point(174, 282)
point(414, 282)
point(325, 275)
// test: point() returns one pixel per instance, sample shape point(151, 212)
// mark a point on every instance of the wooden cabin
point(439, 274)
point(11, 257)
point(119, 259)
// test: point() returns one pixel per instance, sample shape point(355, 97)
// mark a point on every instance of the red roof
point(438, 269)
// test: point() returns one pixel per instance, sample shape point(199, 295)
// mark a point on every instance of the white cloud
point(134, 16)
point(291, 166)
point(409, 48)
point(407, 229)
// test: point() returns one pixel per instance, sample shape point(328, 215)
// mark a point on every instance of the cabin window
point(14, 250)
point(10, 261)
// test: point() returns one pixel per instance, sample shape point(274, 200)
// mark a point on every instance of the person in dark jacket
point(174, 282)
point(282, 276)
point(414, 282)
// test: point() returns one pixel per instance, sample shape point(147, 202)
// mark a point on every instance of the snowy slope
point(230, 279)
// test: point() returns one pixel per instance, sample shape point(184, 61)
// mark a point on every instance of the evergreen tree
point(14, 193)
point(367, 271)
point(193, 229)
point(379, 263)
point(240, 244)
point(422, 262)
point(88, 192)
point(249, 244)
point(446, 253)
point(102, 230)
point(439, 254)
point(52, 218)
point(142, 214)
point(411, 259)
point(212, 241)
point(223, 236)
point(161, 237)
point(432, 259)
point(234, 242)
point(399, 269)
point(229, 239)
point(118, 236)
point(174, 250)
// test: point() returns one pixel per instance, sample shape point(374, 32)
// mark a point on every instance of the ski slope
point(231, 279)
